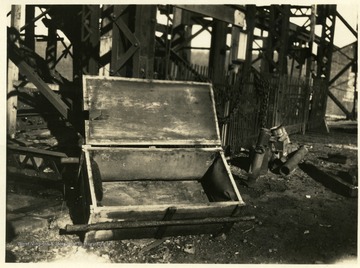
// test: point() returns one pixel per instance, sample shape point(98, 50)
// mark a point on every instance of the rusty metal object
point(264, 137)
point(292, 163)
point(260, 158)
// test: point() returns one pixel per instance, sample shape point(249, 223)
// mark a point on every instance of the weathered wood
point(327, 177)
point(118, 164)
point(217, 51)
point(36, 151)
point(152, 193)
point(91, 179)
point(11, 78)
point(147, 224)
point(143, 60)
point(133, 111)
point(54, 99)
point(157, 212)
point(142, 184)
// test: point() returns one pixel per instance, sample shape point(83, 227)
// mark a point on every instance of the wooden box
point(153, 164)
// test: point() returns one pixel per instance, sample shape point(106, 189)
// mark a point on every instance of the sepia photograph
point(180, 133)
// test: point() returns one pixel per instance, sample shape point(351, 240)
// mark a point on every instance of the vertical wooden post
point(250, 22)
point(145, 23)
point(13, 73)
point(30, 29)
point(51, 48)
point(218, 50)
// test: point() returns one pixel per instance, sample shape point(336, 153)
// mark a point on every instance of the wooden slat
point(36, 151)
point(195, 210)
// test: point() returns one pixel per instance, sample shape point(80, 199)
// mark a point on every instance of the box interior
point(142, 177)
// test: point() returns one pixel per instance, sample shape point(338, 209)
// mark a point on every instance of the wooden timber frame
point(134, 50)
point(153, 165)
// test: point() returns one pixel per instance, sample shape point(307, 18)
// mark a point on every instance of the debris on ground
point(299, 219)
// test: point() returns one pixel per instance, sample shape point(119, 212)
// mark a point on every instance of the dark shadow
point(9, 256)
point(335, 158)
point(351, 129)
point(242, 162)
point(77, 196)
point(10, 232)
point(216, 183)
point(348, 177)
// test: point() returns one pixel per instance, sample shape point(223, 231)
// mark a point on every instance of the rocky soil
point(299, 219)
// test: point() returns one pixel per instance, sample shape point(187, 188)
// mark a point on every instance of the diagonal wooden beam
point(33, 77)
point(340, 105)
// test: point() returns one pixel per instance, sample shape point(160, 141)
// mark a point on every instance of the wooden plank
point(36, 151)
point(157, 212)
point(54, 99)
point(91, 179)
point(147, 224)
point(329, 178)
point(12, 76)
point(118, 164)
point(138, 111)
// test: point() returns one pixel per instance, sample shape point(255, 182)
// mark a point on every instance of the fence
point(246, 103)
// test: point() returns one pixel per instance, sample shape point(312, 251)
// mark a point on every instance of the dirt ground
point(299, 219)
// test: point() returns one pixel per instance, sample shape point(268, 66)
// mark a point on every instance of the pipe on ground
point(292, 163)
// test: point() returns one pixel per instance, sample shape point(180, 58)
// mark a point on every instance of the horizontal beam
point(219, 12)
point(36, 151)
point(146, 224)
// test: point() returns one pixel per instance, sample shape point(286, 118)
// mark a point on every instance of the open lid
point(128, 111)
